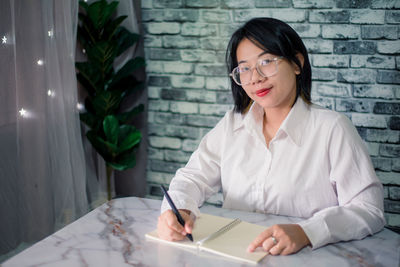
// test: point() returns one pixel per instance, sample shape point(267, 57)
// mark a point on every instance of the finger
point(258, 241)
point(172, 222)
point(277, 249)
point(268, 244)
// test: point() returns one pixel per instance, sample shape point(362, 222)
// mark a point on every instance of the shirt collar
point(294, 124)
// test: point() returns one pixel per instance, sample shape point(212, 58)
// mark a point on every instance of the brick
point(347, 105)
point(378, 32)
point(224, 98)
point(202, 3)
point(150, 117)
point(272, 3)
point(340, 31)
point(332, 89)
point(174, 131)
point(173, 94)
point(387, 108)
point(199, 29)
point(180, 15)
point(162, 27)
point(163, 81)
point(394, 123)
point(189, 145)
point(315, 46)
point(163, 54)
point(388, 4)
point(396, 164)
point(373, 62)
point(354, 47)
point(146, 4)
point(210, 70)
point(198, 55)
point(152, 15)
point(369, 120)
point(158, 105)
point(164, 166)
point(177, 67)
point(342, 16)
point(392, 219)
point(218, 83)
point(288, 15)
point(322, 74)
point(227, 30)
point(365, 16)
point(389, 150)
point(165, 142)
point(237, 4)
point(184, 107)
point(336, 61)
point(187, 81)
point(201, 96)
point(307, 30)
point(168, 118)
point(385, 192)
point(152, 41)
point(394, 192)
point(214, 43)
point(389, 47)
point(179, 42)
point(373, 91)
point(313, 3)
point(214, 109)
point(153, 92)
point(201, 120)
point(324, 102)
point(398, 63)
point(353, 3)
point(391, 206)
point(388, 177)
point(154, 67)
point(357, 76)
point(373, 148)
point(167, 3)
point(177, 156)
point(153, 153)
point(382, 136)
point(158, 177)
point(382, 164)
point(220, 16)
point(393, 17)
point(388, 76)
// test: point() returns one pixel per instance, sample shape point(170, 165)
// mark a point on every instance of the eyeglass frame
point(275, 60)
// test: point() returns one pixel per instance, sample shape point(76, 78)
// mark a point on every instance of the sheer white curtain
point(42, 166)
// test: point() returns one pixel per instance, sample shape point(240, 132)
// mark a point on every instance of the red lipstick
point(262, 92)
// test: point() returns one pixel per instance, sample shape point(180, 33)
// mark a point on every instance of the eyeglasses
point(266, 67)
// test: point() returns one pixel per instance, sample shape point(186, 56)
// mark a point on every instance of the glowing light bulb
point(80, 106)
point(51, 93)
point(50, 33)
point(4, 40)
point(23, 112)
point(40, 62)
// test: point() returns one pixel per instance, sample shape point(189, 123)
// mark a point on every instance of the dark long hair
point(275, 37)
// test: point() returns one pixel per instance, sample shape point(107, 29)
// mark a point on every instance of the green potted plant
point(103, 39)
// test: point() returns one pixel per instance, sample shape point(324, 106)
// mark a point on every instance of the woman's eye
point(244, 69)
point(265, 62)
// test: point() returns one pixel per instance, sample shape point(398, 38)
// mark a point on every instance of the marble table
point(113, 235)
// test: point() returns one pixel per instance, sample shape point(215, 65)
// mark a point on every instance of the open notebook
point(223, 236)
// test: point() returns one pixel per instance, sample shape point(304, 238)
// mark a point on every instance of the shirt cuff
point(181, 204)
point(317, 231)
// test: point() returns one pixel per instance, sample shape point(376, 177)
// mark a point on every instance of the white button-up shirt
point(316, 167)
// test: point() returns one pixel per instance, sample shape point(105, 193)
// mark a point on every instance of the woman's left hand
point(281, 239)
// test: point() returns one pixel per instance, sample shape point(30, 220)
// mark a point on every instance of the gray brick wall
point(355, 53)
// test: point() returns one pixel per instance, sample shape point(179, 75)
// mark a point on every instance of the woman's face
point(275, 92)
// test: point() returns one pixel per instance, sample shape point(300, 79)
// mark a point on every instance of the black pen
point(175, 210)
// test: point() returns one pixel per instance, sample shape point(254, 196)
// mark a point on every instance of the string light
point(4, 40)
point(50, 33)
point(80, 106)
point(51, 93)
point(23, 112)
point(40, 62)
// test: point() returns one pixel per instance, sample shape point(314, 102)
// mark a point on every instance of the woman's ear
point(300, 57)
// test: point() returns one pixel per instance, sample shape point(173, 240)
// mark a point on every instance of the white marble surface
point(113, 235)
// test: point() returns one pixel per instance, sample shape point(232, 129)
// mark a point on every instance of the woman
point(277, 153)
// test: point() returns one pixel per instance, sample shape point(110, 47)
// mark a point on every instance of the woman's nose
point(255, 76)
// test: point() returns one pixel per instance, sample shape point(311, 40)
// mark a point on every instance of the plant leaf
point(128, 68)
point(106, 102)
point(125, 39)
point(87, 76)
point(128, 138)
point(89, 119)
point(111, 129)
point(124, 161)
point(111, 27)
point(127, 116)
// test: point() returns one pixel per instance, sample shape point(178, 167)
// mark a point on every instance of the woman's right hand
point(170, 229)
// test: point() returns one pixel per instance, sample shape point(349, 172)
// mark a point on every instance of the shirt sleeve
point(360, 194)
point(201, 177)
